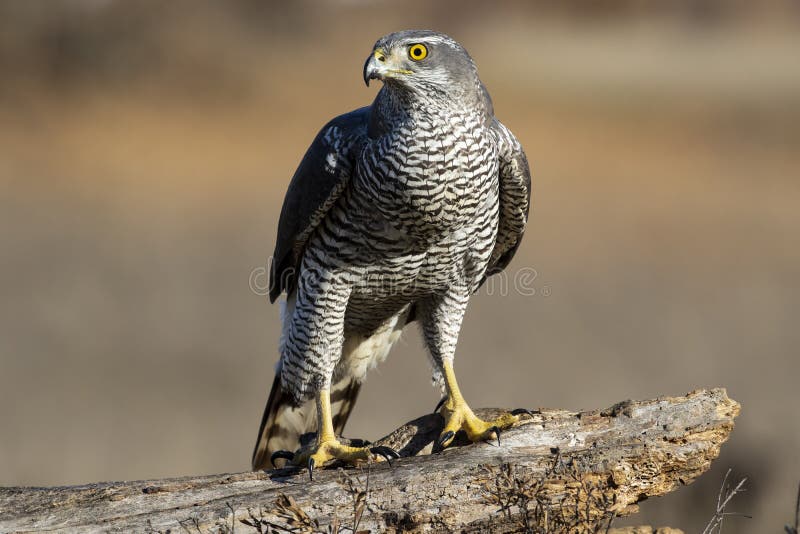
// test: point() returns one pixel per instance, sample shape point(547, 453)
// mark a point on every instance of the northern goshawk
point(398, 212)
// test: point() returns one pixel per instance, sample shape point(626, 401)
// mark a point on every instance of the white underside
point(359, 353)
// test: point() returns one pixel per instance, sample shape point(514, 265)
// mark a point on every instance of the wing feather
point(317, 183)
point(515, 198)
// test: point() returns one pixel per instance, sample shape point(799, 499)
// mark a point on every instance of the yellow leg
point(328, 448)
point(459, 416)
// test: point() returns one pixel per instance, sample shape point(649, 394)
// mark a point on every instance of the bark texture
point(557, 471)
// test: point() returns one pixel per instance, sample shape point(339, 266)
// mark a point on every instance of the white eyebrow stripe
point(432, 39)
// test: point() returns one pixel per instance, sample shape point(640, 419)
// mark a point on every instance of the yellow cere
point(417, 52)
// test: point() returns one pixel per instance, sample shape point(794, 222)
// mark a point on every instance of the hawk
point(398, 212)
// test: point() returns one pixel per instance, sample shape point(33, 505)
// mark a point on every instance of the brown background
point(145, 148)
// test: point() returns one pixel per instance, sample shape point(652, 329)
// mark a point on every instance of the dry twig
point(726, 493)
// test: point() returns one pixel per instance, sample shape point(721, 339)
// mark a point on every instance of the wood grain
point(554, 468)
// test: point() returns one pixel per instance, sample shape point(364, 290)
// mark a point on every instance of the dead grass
point(524, 497)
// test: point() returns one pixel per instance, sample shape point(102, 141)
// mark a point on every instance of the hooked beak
point(374, 67)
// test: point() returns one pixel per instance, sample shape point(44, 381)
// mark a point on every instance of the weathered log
point(556, 471)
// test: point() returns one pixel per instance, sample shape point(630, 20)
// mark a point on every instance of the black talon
point(286, 455)
point(311, 469)
point(496, 430)
point(387, 452)
point(440, 403)
point(446, 437)
point(519, 411)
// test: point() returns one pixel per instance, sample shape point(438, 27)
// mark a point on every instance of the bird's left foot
point(459, 416)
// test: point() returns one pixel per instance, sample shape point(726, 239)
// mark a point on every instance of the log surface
point(554, 467)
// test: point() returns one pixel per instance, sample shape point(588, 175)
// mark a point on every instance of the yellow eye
point(417, 52)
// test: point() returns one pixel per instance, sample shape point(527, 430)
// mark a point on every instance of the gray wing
point(317, 183)
point(515, 198)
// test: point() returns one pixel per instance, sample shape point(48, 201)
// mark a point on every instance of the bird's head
point(421, 61)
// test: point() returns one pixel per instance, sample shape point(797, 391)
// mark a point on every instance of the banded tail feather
point(283, 423)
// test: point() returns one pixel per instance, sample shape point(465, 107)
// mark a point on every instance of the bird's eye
point(417, 52)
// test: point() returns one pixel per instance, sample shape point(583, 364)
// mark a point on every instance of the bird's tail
point(283, 423)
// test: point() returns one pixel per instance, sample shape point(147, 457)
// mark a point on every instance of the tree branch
point(557, 471)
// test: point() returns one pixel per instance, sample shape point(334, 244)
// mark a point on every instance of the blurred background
point(145, 148)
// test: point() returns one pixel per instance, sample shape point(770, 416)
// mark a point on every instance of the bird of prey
point(398, 212)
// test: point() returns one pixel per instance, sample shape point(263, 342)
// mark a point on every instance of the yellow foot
point(459, 416)
point(329, 450)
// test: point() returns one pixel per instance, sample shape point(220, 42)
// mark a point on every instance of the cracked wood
point(598, 462)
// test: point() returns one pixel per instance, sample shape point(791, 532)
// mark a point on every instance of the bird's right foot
point(326, 447)
point(329, 450)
